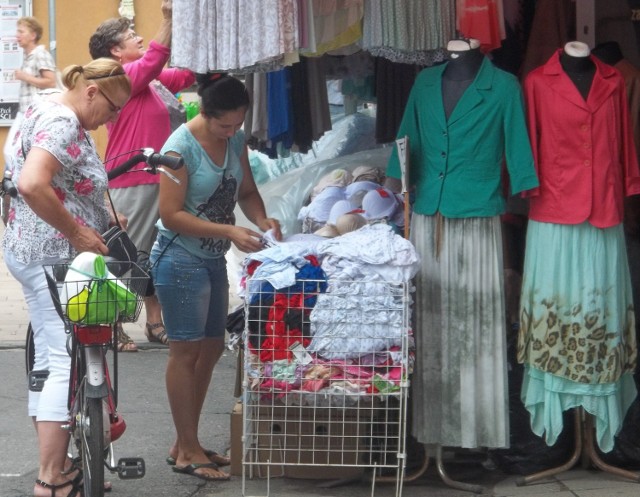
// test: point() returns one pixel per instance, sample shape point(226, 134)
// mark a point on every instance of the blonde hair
point(107, 74)
point(32, 24)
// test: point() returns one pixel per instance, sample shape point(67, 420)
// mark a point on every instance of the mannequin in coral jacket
point(577, 334)
point(464, 120)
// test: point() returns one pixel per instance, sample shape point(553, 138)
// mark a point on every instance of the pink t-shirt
point(144, 120)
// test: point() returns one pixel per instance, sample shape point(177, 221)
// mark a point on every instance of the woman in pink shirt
point(146, 120)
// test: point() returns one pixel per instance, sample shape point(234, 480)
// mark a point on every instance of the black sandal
point(75, 486)
point(160, 337)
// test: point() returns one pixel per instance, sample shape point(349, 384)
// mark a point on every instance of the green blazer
point(456, 165)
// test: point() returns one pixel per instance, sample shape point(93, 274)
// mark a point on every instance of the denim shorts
point(193, 292)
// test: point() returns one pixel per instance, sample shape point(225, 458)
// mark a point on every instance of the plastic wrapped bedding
point(349, 134)
point(285, 195)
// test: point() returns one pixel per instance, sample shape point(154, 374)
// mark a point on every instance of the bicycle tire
point(92, 448)
point(29, 350)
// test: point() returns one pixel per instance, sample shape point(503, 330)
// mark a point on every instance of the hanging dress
point(577, 327)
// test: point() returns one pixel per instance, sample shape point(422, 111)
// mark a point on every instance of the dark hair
point(108, 35)
point(220, 93)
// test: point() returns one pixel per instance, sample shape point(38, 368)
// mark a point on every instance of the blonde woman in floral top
point(60, 211)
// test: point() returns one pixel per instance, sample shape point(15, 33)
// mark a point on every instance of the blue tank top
point(212, 190)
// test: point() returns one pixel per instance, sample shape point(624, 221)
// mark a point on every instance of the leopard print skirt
point(576, 310)
point(577, 324)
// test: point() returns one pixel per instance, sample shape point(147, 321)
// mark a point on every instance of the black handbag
point(122, 251)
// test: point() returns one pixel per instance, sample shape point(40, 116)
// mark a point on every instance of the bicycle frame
point(92, 396)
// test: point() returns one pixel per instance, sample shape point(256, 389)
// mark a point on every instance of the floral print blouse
point(80, 185)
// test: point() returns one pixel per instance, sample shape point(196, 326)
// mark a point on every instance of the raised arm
point(163, 36)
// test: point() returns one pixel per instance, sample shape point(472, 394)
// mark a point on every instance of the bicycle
point(94, 421)
point(92, 401)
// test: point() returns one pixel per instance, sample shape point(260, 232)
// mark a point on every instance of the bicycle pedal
point(130, 468)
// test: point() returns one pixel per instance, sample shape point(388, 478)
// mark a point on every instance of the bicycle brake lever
point(168, 175)
point(162, 170)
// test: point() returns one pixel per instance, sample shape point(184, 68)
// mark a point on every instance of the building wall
point(76, 20)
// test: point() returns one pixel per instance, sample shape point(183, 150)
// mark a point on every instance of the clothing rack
point(446, 479)
point(310, 408)
point(584, 452)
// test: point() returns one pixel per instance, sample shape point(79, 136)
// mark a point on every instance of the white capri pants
point(49, 338)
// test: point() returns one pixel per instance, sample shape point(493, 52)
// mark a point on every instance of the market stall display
point(328, 355)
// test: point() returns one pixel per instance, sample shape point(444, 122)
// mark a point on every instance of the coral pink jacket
point(583, 151)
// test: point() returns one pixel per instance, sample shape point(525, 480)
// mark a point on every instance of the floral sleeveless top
point(80, 185)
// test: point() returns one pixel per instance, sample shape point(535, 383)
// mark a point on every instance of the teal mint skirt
point(577, 328)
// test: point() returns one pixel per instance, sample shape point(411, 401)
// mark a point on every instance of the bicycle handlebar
point(148, 156)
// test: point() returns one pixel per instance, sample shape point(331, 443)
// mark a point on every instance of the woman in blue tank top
point(196, 229)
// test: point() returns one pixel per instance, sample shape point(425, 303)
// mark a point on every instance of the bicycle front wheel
point(93, 447)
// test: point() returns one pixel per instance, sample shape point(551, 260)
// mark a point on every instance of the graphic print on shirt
point(219, 209)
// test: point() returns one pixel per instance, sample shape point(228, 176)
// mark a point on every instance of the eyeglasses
point(130, 36)
point(112, 107)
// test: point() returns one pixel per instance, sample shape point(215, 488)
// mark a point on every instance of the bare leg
point(53, 443)
point(153, 309)
point(188, 376)
point(202, 386)
point(211, 351)
point(155, 330)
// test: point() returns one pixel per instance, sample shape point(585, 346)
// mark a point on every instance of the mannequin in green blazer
point(456, 162)
point(465, 121)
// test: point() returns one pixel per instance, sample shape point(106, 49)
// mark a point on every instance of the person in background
point(196, 229)
point(38, 72)
point(59, 212)
point(147, 120)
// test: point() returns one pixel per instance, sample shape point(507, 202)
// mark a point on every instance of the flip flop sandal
point(160, 337)
point(211, 454)
point(190, 469)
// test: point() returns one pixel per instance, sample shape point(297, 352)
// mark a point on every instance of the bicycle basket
point(84, 291)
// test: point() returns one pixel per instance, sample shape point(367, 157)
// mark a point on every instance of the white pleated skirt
point(459, 385)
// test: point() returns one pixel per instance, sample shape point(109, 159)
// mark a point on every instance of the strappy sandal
point(78, 480)
point(160, 337)
point(125, 342)
point(75, 487)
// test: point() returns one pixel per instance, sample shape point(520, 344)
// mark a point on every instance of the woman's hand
point(245, 239)
point(270, 223)
point(122, 221)
point(85, 239)
point(167, 9)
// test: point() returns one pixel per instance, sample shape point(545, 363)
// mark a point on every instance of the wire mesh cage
point(95, 295)
point(326, 378)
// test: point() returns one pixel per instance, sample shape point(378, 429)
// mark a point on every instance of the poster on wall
point(10, 57)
